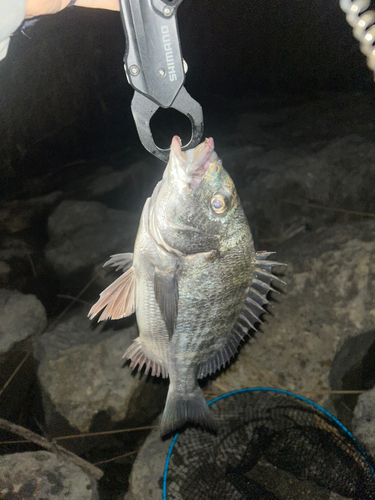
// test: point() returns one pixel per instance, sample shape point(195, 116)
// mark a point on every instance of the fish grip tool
point(270, 445)
point(155, 69)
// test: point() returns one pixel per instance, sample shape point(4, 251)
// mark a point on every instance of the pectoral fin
point(118, 300)
point(166, 293)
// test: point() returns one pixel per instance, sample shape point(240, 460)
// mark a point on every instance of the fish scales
point(194, 281)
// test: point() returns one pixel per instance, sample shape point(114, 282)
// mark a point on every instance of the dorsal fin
point(249, 316)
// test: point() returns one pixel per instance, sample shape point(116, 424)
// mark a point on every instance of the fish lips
point(186, 169)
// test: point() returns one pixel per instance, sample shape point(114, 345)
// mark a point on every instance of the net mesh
point(269, 445)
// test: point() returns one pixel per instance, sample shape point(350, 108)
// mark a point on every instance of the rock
point(4, 273)
point(281, 161)
point(83, 233)
point(290, 178)
point(328, 299)
point(84, 381)
point(106, 179)
point(146, 479)
point(14, 248)
point(40, 475)
point(364, 421)
point(352, 369)
point(17, 214)
point(20, 317)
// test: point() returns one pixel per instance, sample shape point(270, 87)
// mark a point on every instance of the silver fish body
point(195, 281)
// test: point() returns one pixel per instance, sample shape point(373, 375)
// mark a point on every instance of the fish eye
point(219, 204)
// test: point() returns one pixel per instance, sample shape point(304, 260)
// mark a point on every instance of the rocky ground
point(304, 169)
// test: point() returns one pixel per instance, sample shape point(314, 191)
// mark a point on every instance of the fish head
point(195, 201)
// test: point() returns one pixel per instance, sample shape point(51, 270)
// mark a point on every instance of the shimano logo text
point(168, 53)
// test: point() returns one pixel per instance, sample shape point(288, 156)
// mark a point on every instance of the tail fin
point(181, 408)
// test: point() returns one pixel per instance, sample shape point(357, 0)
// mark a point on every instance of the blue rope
point(166, 467)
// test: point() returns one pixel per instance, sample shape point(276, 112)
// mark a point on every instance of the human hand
point(41, 7)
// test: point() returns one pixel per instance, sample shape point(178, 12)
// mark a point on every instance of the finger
point(42, 7)
point(99, 4)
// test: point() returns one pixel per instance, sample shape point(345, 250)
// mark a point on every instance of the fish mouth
point(191, 165)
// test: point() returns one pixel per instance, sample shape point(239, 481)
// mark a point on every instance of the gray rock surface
point(42, 475)
point(82, 375)
point(20, 316)
point(146, 479)
point(364, 420)
point(328, 298)
point(14, 247)
point(276, 155)
point(352, 370)
point(83, 233)
point(302, 174)
point(17, 214)
point(107, 180)
point(4, 273)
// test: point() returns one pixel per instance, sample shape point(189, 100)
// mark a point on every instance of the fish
point(195, 281)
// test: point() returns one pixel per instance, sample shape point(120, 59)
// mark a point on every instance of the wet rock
point(20, 317)
point(40, 475)
point(83, 233)
point(84, 381)
point(364, 420)
point(146, 480)
point(328, 299)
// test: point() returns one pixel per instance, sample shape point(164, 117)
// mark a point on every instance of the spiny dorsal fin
point(138, 357)
point(118, 299)
point(259, 288)
point(166, 294)
point(249, 316)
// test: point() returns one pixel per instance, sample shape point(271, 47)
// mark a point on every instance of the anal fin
point(138, 358)
point(222, 356)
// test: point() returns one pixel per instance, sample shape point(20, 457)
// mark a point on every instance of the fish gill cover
point(261, 432)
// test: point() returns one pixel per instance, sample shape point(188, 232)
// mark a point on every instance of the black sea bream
point(195, 281)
